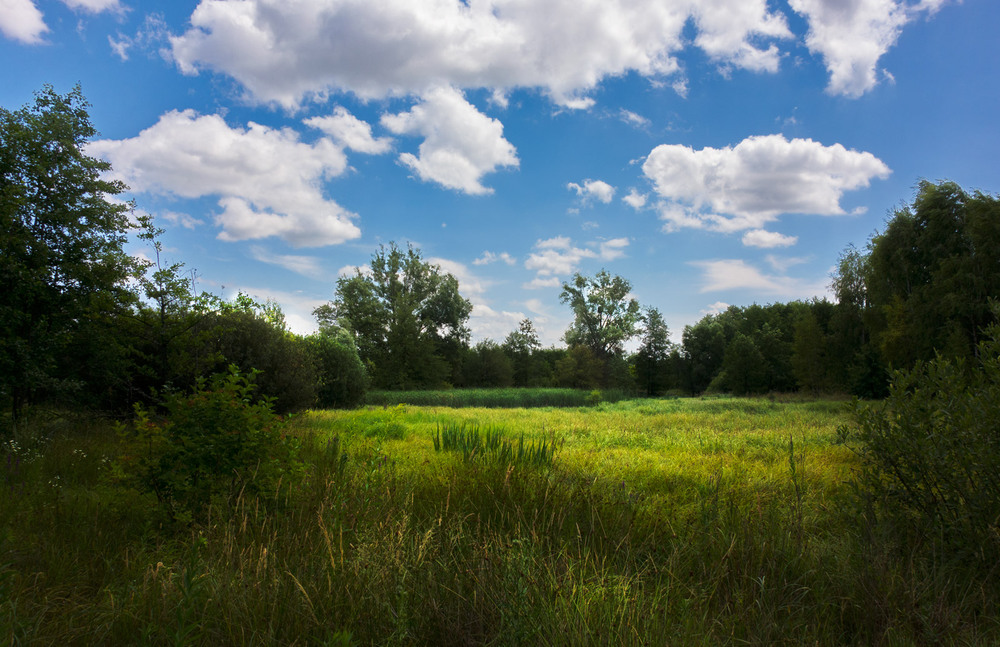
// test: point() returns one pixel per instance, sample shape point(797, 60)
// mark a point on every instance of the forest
point(871, 521)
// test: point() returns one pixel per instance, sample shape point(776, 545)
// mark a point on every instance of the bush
point(252, 342)
point(214, 443)
point(931, 452)
point(343, 380)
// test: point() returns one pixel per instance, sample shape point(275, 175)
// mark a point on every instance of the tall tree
point(62, 261)
point(406, 315)
point(652, 359)
point(931, 273)
point(520, 345)
point(604, 318)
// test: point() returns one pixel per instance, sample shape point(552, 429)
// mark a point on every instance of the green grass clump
point(491, 445)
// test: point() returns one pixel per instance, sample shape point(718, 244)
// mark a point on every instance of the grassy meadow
point(661, 522)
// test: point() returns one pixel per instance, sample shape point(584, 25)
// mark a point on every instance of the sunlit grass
point(658, 522)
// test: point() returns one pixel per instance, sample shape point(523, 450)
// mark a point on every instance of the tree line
point(83, 322)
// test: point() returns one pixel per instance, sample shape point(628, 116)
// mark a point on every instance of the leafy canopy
point(604, 318)
point(62, 261)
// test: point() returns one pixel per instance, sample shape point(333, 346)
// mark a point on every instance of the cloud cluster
point(593, 190)
point(350, 132)
point(267, 181)
point(460, 143)
point(284, 52)
point(748, 185)
point(555, 257)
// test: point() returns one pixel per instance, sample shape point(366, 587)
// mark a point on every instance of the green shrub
point(215, 443)
point(931, 452)
point(343, 380)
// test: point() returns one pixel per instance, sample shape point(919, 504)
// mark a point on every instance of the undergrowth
point(659, 523)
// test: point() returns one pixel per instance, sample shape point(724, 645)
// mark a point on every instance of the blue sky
point(712, 152)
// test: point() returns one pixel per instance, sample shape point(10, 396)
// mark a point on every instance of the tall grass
point(661, 522)
point(491, 445)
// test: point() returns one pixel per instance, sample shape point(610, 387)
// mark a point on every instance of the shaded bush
point(252, 342)
point(215, 442)
point(931, 452)
point(341, 377)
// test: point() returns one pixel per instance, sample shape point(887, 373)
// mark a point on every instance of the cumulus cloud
point(460, 144)
point(558, 256)
point(733, 274)
point(22, 21)
point(768, 239)
point(593, 190)
point(268, 183)
point(284, 52)
point(635, 199)
point(489, 257)
point(350, 132)
point(852, 36)
point(748, 185)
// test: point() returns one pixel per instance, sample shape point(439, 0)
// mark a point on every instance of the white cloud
point(852, 36)
point(472, 287)
point(633, 119)
point(635, 199)
point(723, 33)
point(21, 20)
point(593, 190)
point(750, 184)
point(715, 308)
point(284, 52)
point(540, 283)
point(487, 323)
point(558, 256)
point(308, 266)
point(268, 182)
point(93, 6)
point(734, 274)
point(181, 219)
point(151, 35)
point(350, 132)
point(460, 143)
point(768, 239)
point(489, 257)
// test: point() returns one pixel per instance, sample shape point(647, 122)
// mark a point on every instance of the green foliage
point(931, 452)
point(342, 379)
point(407, 317)
point(494, 398)
point(489, 444)
point(579, 369)
point(521, 346)
point(604, 318)
point(214, 443)
point(63, 268)
point(652, 361)
point(486, 365)
point(930, 274)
